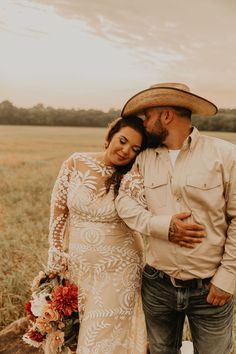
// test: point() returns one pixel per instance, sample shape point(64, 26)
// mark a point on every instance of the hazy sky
point(96, 54)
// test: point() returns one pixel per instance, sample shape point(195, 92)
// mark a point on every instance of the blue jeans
point(165, 308)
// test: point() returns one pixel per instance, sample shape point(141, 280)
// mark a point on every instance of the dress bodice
point(79, 195)
point(87, 196)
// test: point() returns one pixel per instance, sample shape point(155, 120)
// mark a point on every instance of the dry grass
point(30, 158)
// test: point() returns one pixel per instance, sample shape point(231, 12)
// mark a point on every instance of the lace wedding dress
point(105, 258)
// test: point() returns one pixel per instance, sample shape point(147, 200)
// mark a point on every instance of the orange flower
point(50, 314)
point(43, 325)
point(54, 342)
point(58, 338)
point(61, 325)
point(65, 299)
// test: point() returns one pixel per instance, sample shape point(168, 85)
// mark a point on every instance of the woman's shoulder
point(77, 158)
point(71, 161)
point(75, 155)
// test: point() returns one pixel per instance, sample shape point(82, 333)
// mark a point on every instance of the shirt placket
point(178, 178)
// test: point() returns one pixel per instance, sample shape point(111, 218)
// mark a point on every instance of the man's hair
point(182, 112)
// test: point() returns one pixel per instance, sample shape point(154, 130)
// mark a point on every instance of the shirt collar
point(192, 139)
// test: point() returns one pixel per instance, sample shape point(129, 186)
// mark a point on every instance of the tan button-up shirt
point(203, 181)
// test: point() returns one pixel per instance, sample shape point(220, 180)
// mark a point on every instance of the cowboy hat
point(168, 94)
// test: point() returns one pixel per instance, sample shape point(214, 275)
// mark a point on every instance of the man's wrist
point(172, 229)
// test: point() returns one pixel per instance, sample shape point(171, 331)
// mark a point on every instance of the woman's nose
point(125, 149)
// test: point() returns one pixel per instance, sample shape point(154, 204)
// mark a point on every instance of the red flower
point(65, 299)
point(29, 313)
point(36, 336)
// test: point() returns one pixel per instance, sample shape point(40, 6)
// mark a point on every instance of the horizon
point(88, 108)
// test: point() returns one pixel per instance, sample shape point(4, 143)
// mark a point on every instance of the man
point(192, 173)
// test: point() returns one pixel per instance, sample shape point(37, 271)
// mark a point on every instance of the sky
point(98, 53)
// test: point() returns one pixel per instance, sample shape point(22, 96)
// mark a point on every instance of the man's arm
point(225, 276)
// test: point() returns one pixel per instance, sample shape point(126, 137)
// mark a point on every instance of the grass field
point(30, 158)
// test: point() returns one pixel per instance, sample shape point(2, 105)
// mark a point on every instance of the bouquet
point(53, 313)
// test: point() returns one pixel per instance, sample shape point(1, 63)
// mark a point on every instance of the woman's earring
point(106, 145)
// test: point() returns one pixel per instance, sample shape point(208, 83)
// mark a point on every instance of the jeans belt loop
point(200, 283)
point(174, 283)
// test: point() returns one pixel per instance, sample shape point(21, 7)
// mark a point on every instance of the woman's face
point(123, 147)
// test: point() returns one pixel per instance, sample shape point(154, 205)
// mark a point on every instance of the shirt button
point(179, 197)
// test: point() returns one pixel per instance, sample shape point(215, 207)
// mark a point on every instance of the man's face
point(154, 127)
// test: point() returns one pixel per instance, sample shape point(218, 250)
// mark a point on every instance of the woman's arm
point(57, 258)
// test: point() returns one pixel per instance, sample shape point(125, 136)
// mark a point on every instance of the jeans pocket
point(150, 272)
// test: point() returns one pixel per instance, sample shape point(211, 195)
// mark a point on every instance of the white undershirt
point(173, 156)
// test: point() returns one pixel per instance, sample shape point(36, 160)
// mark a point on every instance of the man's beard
point(156, 139)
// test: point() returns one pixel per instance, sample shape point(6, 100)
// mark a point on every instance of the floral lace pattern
point(132, 184)
point(105, 258)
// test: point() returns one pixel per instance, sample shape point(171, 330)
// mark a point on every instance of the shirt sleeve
point(57, 258)
point(225, 276)
point(131, 206)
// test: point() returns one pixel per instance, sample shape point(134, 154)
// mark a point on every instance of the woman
point(104, 256)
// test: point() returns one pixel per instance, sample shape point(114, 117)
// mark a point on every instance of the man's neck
point(176, 138)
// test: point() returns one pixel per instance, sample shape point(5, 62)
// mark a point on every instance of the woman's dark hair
point(137, 124)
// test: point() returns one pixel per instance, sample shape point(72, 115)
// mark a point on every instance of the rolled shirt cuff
point(224, 280)
point(159, 226)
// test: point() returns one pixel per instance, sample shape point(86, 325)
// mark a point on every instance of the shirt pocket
point(156, 192)
point(205, 190)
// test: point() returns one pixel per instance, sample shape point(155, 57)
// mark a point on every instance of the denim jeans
point(165, 308)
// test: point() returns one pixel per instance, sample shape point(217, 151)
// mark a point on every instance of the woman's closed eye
point(136, 149)
point(124, 141)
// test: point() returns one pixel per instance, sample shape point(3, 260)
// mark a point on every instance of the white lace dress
point(105, 258)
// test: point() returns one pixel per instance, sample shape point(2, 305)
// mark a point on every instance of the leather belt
point(195, 283)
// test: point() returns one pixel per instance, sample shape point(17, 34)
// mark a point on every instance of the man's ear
point(167, 116)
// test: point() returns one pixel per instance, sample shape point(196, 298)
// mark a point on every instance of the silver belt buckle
point(174, 283)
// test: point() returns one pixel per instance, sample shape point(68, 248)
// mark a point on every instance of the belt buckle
point(174, 283)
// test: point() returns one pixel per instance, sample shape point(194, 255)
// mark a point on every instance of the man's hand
point(185, 235)
point(217, 296)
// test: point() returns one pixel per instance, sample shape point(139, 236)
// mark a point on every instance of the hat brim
point(163, 96)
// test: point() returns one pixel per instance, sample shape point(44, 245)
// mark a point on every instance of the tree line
point(225, 120)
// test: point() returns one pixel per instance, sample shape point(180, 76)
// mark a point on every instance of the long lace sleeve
point(132, 185)
point(57, 258)
point(132, 207)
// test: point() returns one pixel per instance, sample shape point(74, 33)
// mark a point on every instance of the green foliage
point(40, 115)
point(225, 120)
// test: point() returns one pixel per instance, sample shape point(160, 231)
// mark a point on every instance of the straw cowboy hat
point(168, 94)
